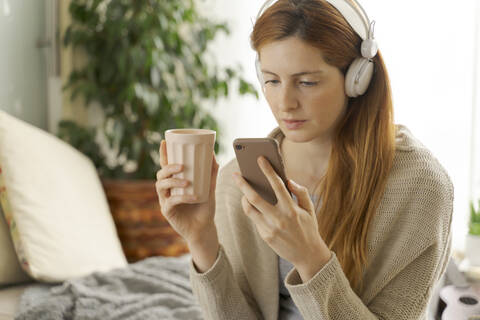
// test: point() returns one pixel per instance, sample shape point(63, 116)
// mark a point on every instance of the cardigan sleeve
point(217, 292)
point(328, 294)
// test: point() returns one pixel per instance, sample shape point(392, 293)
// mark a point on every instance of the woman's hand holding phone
point(290, 229)
point(193, 221)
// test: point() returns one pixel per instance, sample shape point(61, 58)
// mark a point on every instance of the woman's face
point(300, 85)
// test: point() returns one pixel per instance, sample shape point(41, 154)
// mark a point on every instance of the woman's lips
point(294, 124)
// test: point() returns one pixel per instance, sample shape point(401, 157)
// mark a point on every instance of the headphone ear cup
point(363, 69)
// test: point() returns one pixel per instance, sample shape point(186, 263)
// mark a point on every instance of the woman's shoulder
point(418, 186)
point(415, 213)
point(414, 161)
point(405, 141)
point(417, 203)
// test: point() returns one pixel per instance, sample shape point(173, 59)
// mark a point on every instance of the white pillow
point(59, 217)
point(10, 270)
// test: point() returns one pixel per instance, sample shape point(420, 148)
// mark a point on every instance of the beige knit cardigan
point(408, 249)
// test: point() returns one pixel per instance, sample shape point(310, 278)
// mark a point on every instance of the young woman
point(367, 235)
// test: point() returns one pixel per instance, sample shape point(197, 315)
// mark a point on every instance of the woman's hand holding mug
point(193, 221)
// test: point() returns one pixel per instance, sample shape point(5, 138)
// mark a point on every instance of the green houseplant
point(147, 70)
point(472, 247)
point(474, 222)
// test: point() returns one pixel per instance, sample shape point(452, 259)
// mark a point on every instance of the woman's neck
point(308, 159)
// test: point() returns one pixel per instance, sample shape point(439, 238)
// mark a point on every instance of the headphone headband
point(357, 19)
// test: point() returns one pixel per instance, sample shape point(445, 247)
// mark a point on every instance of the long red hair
point(363, 146)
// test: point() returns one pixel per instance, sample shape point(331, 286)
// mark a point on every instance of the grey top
point(287, 308)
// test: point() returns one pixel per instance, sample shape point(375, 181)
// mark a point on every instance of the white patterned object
point(55, 205)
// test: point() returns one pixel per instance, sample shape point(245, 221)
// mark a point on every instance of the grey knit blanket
point(154, 288)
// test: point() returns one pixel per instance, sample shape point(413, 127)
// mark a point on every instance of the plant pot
point(472, 249)
point(141, 226)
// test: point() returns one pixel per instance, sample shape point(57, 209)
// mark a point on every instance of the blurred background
point(431, 50)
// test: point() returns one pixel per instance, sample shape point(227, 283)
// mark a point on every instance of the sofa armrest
point(10, 299)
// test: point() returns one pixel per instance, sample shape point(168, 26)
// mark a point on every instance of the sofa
point(9, 300)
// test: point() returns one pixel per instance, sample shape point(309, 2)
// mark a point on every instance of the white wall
point(428, 47)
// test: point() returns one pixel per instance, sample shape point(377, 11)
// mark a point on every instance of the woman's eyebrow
point(295, 74)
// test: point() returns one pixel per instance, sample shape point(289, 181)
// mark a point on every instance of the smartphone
point(247, 151)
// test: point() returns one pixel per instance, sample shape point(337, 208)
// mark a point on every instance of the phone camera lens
point(238, 146)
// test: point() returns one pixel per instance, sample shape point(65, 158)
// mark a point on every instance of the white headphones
point(360, 71)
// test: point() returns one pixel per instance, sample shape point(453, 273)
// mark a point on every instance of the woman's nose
point(287, 99)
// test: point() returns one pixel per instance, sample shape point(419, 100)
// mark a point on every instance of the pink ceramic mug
point(194, 149)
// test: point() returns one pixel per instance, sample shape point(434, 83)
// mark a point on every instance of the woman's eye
point(272, 81)
point(308, 83)
point(304, 83)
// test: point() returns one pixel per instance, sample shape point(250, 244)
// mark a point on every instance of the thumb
point(302, 195)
